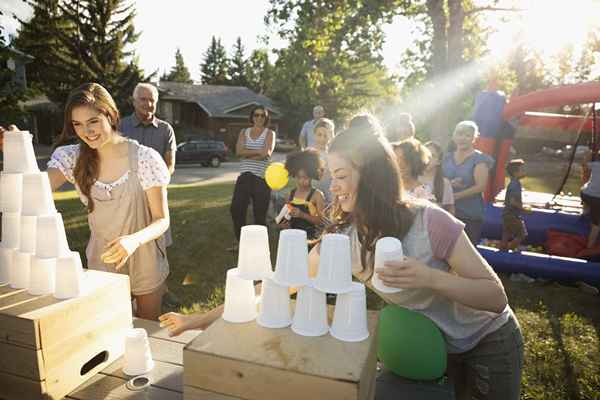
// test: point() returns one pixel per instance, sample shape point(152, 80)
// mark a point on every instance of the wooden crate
point(252, 362)
point(51, 346)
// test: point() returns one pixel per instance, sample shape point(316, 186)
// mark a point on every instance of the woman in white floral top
point(124, 187)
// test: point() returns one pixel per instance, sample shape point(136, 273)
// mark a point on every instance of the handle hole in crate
point(94, 362)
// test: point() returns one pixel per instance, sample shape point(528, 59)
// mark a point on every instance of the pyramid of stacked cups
point(310, 315)
point(34, 253)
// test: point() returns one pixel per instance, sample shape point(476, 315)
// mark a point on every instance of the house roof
point(216, 100)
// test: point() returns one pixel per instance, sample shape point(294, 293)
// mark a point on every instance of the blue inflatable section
point(488, 113)
point(534, 264)
point(542, 265)
point(537, 222)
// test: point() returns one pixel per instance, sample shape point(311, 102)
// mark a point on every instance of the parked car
point(206, 152)
point(285, 145)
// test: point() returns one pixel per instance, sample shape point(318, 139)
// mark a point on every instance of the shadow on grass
point(561, 329)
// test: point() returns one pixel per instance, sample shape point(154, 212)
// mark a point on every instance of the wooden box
point(252, 362)
point(48, 347)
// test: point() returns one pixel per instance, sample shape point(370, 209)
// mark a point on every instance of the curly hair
point(307, 160)
point(415, 154)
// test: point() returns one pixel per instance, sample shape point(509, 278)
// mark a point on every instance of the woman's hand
point(285, 224)
point(457, 183)
point(406, 274)
point(119, 250)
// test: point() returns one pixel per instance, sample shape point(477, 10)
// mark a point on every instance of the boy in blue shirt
point(513, 226)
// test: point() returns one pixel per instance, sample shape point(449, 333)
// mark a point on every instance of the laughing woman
point(443, 276)
point(124, 187)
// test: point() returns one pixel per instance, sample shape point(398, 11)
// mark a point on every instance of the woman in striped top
point(254, 146)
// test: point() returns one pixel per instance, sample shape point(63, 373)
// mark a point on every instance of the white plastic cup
point(42, 276)
point(18, 152)
point(240, 298)
point(11, 192)
point(69, 276)
point(138, 356)
point(275, 309)
point(11, 230)
point(37, 194)
point(386, 249)
point(335, 265)
point(254, 258)
point(350, 315)
point(28, 234)
point(50, 237)
point(20, 270)
point(291, 268)
point(6, 263)
point(310, 316)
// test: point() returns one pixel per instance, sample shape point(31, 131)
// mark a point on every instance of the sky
point(190, 24)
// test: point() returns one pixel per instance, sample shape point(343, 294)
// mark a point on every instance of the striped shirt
point(256, 167)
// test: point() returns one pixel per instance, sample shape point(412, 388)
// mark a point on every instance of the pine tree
point(179, 73)
point(259, 71)
point(11, 93)
point(215, 64)
point(37, 37)
point(93, 45)
point(237, 67)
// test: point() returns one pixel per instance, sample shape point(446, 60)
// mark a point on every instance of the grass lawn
point(561, 325)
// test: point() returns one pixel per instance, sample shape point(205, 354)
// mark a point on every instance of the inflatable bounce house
point(556, 223)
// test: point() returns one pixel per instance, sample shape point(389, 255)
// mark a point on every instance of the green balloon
point(410, 344)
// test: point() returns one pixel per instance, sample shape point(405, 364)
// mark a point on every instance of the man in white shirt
point(307, 134)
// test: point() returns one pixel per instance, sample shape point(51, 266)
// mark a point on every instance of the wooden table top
point(166, 377)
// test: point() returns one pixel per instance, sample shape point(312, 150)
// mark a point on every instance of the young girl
point(412, 158)
point(124, 186)
point(305, 201)
point(324, 131)
point(433, 178)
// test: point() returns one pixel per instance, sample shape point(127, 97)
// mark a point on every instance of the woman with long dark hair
point(443, 276)
point(254, 146)
point(433, 178)
point(124, 187)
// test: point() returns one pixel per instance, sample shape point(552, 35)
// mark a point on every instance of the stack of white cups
point(33, 233)
point(291, 270)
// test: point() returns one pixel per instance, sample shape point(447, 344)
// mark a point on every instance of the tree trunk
point(439, 44)
point(456, 19)
point(439, 66)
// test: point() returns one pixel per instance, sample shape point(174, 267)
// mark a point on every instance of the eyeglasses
point(262, 115)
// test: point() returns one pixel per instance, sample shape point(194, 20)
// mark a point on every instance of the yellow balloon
point(276, 176)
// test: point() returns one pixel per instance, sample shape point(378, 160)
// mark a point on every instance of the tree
point(11, 93)
point(215, 65)
point(179, 72)
point(237, 65)
point(38, 38)
point(259, 71)
point(94, 40)
point(333, 57)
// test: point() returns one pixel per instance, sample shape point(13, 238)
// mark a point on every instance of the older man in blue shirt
point(148, 130)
